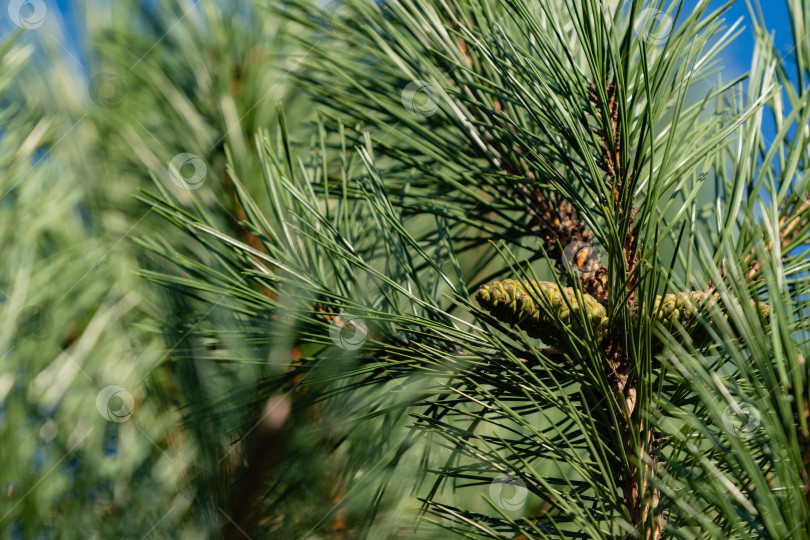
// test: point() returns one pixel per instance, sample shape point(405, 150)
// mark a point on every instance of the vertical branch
point(615, 175)
point(265, 452)
point(635, 437)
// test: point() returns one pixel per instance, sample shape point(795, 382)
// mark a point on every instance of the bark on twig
point(265, 451)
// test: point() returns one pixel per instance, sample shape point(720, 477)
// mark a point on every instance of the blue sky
point(737, 58)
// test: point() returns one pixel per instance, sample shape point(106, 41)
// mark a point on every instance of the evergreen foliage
point(489, 269)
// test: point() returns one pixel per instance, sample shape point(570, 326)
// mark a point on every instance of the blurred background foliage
point(163, 368)
point(93, 112)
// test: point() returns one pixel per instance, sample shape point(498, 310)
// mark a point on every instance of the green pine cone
point(681, 306)
point(509, 301)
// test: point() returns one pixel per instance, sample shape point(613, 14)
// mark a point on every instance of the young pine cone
point(510, 301)
point(681, 306)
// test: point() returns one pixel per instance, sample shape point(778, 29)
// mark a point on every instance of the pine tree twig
point(609, 162)
point(266, 451)
point(636, 490)
point(640, 498)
